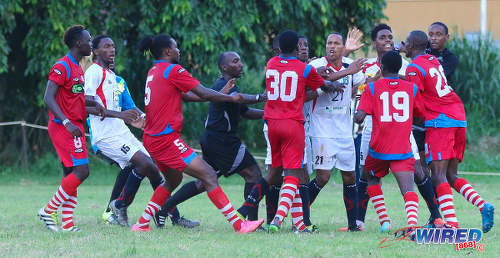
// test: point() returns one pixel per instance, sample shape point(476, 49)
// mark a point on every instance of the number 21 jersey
point(286, 82)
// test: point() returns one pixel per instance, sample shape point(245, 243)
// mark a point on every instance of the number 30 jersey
point(391, 102)
point(286, 82)
point(331, 112)
point(163, 98)
point(443, 107)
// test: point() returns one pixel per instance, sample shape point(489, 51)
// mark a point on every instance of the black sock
point(314, 190)
point(363, 199)
point(174, 214)
point(272, 199)
point(250, 207)
point(131, 187)
point(350, 204)
point(427, 191)
point(304, 194)
point(156, 181)
point(121, 178)
point(187, 191)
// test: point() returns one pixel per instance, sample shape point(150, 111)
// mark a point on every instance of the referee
point(438, 36)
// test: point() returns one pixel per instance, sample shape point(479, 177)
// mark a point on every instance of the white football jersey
point(101, 83)
point(372, 67)
point(331, 112)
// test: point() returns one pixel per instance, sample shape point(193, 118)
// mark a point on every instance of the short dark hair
point(221, 60)
point(288, 41)
point(338, 34)
point(300, 36)
point(418, 39)
point(391, 61)
point(378, 28)
point(97, 40)
point(72, 34)
point(155, 44)
point(442, 25)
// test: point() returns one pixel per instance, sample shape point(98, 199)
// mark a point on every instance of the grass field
point(23, 234)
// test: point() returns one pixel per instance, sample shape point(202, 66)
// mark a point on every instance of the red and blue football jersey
point(391, 102)
point(163, 99)
point(68, 74)
point(286, 81)
point(443, 107)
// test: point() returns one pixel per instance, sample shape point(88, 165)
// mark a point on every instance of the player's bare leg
point(439, 170)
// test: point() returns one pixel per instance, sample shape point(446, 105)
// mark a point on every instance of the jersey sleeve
point(59, 73)
point(414, 75)
point(365, 104)
point(127, 101)
point(313, 79)
point(182, 79)
point(93, 78)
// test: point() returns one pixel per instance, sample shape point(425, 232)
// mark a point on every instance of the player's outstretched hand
point(324, 72)
point(73, 129)
point(237, 98)
point(357, 65)
point(129, 116)
point(229, 86)
point(101, 111)
point(263, 97)
point(353, 40)
point(139, 123)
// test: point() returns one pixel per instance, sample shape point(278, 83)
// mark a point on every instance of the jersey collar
point(287, 58)
point(418, 56)
point(161, 61)
point(72, 59)
point(391, 78)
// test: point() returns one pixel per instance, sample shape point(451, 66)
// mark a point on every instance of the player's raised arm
point(353, 41)
point(215, 96)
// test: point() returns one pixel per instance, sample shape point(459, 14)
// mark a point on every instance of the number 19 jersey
point(286, 82)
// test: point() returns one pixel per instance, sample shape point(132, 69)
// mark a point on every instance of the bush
point(477, 82)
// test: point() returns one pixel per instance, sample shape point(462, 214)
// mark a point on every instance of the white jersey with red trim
point(331, 112)
point(372, 67)
point(101, 83)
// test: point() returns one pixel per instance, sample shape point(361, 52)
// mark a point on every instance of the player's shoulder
point(93, 69)
point(172, 70)
point(318, 62)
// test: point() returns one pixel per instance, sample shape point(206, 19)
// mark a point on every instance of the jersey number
point(278, 85)
point(441, 90)
point(397, 97)
point(147, 92)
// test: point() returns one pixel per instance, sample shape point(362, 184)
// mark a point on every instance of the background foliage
point(31, 32)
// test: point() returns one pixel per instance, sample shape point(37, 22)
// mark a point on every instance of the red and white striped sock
point(445, 200)
point(219, 199)
point(466, 190)
point(377, 197)
point(69, 184)
point(68, 207)
point(288, 190)
point(159, 198)
point(411, 207)
point(296, 212)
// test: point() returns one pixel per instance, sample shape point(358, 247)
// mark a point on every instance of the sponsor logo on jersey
point(412, 74)
point(431, 58)
point(393, 83)
point(57, 71)
point(79, 150)
point(283, 61)
point(75, 79)
point(77, 88)
point(181, 70)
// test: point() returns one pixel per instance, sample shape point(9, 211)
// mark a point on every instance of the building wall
point(462, 16)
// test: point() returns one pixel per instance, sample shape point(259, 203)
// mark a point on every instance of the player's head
point(162, 46)
point(276, 45)
point(303, 49)
point(391, 62)
point(230, 64)
point(77, 37)
point(415, 43)
point(382, 38)
point(334, 46)
point(288, 42)
point(104, 50)
point(438, 35)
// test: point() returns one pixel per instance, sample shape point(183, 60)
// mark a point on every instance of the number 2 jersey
point(286, 82)
point(391, 102)
point(443, 107)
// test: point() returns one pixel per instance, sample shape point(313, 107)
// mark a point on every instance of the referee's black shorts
point(225, 153)
point(419, 135)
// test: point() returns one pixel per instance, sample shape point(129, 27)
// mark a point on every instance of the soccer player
point(221, 146)
point(165, 82)
point(383, 42)
point(286, 82)
point(438, 36)
point(446, 124)
point(64, 97)
point(392, 104)
point(330, 130)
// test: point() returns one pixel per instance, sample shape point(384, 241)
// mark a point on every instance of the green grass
point(22, 234)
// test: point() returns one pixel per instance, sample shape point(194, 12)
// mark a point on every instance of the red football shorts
point(380, 168)
point(445, 143)
point(169, 151)
point(71, 150)
point(287, 140)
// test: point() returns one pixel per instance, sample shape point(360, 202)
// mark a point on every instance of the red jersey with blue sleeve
point(68, 75)
point(391, 102)
point(443, 107)
point(286, 82)
point(163, 99)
